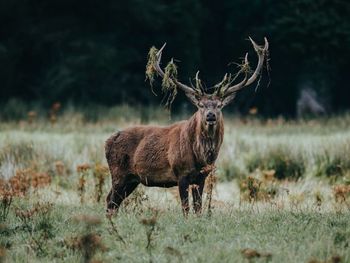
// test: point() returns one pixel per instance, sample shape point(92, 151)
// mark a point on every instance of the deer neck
point(206, 142)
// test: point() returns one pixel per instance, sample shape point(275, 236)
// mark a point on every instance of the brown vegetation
point(82, 170)
point(341, 192)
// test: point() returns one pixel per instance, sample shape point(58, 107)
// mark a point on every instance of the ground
point(281, 195)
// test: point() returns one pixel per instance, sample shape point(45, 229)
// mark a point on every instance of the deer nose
point(211, 117)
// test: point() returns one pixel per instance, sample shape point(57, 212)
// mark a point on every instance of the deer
point(176, 155)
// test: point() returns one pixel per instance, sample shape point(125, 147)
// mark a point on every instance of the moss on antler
point(169, 76)
point(168, 84)
point(244, 68)
point(150, 70)
point(170, 73)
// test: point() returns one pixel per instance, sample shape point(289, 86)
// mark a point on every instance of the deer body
point(175, 155)
point(162, 156)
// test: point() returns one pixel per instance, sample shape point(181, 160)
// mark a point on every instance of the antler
point(161, 73)
point(225, 88)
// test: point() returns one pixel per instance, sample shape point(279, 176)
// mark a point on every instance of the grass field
point(282, 195)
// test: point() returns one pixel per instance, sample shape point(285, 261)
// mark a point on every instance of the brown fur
point(177, 154)
point(163, 157)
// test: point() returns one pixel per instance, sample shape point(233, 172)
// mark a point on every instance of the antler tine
point(157, 65)
point(198, 83)
point(161, 73)
point(219, 86)
point(221, 82)
point(197, 74)
point(243, 83)
point(262, 52)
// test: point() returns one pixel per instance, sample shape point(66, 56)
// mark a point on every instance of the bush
point(284, 164)
point(254, 189)
point(14, 110)
point(332, 166)
point(229, 171)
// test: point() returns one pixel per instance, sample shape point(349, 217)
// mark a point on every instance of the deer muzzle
point(211, 118)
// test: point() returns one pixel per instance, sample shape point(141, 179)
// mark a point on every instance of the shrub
point(228, 171)
point(83, 171)
point(254, 189)
point(332, 166)
point(285, 165)
point(100, 172)
point(37, 223)
point(88, 242)
point(6, 198)
point(14, 110)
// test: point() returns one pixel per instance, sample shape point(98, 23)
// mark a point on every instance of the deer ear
point(193, 98)
point(226, 100)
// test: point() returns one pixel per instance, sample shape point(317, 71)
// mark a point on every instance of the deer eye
point(200, 105)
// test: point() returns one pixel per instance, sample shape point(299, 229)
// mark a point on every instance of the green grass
point(310, 156)
point(293, 149)
point(290, 236)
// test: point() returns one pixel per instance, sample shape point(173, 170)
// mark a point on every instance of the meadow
point(281, 193)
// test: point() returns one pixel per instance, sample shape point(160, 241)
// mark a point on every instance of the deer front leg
point(197, 193)
point(183, 191)
point(120, 190)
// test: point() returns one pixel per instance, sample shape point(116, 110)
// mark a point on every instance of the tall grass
point(279, 206)
point(293, 149)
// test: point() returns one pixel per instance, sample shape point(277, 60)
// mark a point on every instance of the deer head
point(209, 104)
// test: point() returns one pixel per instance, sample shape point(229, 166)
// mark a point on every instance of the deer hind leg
point(197, 193)
point(121, 189)
point(183, 191)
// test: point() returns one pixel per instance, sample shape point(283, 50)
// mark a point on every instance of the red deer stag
point(175, 155)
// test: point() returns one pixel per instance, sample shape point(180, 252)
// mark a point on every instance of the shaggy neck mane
point(205, 142)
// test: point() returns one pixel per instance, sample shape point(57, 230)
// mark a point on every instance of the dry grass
point(54, 179)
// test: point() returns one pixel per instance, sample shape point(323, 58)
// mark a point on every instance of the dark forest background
point(94, 52)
